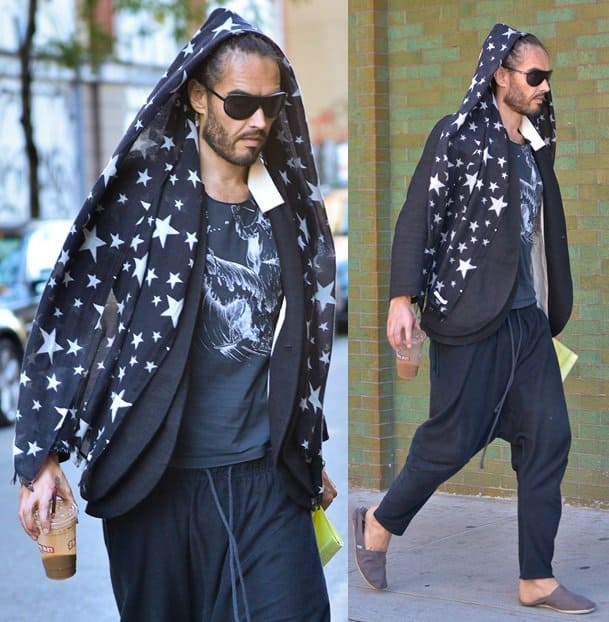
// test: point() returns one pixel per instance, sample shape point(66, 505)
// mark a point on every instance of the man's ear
point(197, 95)
point(500, 76)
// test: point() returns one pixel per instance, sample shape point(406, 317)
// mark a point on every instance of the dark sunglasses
point(534, 76)
point(240, 106)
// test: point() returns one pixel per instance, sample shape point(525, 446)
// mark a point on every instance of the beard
point(216, 136)
point(523, 104)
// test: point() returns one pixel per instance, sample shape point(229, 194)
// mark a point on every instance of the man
point(155, 357)
point(481, 246)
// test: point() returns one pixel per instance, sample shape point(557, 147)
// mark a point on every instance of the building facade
point(79, 115)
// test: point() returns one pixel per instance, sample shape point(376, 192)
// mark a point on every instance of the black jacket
point(141, 449)
point(487, 299)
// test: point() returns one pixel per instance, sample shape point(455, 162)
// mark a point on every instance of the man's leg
point(276, 551)
point(535, 421)
point(148, 554)
point(466, 385)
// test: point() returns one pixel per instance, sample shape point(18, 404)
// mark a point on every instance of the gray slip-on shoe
point(371, 564)
point(563, 601)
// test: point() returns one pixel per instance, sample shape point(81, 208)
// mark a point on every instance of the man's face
point(240, 141)
point(520, 96)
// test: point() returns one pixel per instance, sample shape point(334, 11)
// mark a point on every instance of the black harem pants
point(224, 544)
point(509, 386)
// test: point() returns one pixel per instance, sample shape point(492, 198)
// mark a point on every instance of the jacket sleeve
point(411, 228)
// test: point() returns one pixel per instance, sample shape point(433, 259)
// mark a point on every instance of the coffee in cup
point(407, 359)
point(58, 547)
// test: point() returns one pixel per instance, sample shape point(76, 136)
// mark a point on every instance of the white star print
point(174, 278)
point(174, 308)
point(33, 449)
point(143, 177)
point(53, 383)
point(50, 345)
point(435, 184)
point(93, 281)
point(324, 295)
point(92, 242)
point(140, 268)
point(116, 241)
point(23, 379)
point(110, 169)
point(471, 181)
point(191, 239)
point(163, 229)
point(465, 267)
point(62, 415)
point(193, 176)
point(137, 339)
point(118, 402)
point(314, 192)
point(74, 347)
point(226, 26)
point(460, 119)
point(497, 205)
point(313, 398)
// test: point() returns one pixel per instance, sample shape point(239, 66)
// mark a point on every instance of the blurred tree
point(26, 45)
point(92, 43)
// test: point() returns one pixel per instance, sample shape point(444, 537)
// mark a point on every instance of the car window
point(9, 268)
point(43, 248)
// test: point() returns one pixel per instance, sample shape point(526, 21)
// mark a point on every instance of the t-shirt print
point(242, 287)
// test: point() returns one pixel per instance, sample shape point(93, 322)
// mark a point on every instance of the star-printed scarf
point(110, 310)
point(468, 187)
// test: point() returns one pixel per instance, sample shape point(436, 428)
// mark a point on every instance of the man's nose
point(257, 119)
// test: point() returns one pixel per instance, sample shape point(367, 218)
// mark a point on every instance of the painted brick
point(557, 15)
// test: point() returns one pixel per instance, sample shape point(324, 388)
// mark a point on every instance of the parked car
point(337, 207)
point(27, 257)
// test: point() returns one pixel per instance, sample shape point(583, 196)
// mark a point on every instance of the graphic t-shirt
point(531, 190)
point(226, 417)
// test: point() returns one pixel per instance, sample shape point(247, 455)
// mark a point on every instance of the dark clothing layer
point(487, 299)
point(192, 575)
point(531, 189)
point(134, 462)
point(226, 418)
point(467, 384)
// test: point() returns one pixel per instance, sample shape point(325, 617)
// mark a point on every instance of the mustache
point(254, 134)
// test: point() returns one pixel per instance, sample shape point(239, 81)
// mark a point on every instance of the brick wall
point(410, 64)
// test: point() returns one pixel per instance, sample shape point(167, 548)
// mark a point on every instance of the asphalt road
point(26, 593)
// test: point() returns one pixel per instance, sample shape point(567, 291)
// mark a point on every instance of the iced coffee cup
point(58, 547)
point(407, 359)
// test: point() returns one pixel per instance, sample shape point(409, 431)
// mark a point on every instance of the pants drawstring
point(497, 410)
point(233, 551)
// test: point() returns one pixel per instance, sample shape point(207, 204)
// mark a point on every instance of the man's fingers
point(26, 514)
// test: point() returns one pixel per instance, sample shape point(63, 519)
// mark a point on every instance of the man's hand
point(400, 321)
point(44, 487)
point(329, 490)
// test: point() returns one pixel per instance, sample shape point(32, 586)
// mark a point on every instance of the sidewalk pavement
point(458, 561)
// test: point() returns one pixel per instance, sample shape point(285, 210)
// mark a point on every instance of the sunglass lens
point(240, 106)
point(272, 105)
point(536, 77)
point(243, 106)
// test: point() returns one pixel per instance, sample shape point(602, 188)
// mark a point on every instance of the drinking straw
point(54, 497)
